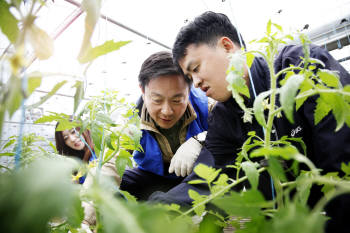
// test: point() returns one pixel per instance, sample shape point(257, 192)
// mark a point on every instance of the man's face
point(206, 66)
point(166, 99)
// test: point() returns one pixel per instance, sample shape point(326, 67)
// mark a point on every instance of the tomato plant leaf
point(251, 172)
point(303, 187)
point(8, 23)
point(287, 95)
point(244, 204)
point(48, 95)
point(34, 81)
point(328, 77)
point(14, 96)
point(250, 59)
point(322, 109)
point(304, 86)
point(121, 162)
point(275, 169)
point(258, 108)
point(92, 9)
point(105, 48)
point(339, 107)
point(79, 94)
point(207, 173)
point(42, 43)
point(197, 200)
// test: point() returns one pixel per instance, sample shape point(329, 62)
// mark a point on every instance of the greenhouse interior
point(202, 116)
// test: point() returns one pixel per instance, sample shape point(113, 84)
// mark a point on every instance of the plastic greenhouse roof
point(158, 20)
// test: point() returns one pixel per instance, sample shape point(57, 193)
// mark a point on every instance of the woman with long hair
point(70, 143)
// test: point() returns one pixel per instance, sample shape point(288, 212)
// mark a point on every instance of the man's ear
point(142, 91)
point(227, 44)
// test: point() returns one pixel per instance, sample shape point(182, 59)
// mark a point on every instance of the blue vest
point(151, 159)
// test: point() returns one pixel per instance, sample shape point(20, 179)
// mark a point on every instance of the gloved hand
point(184, 158)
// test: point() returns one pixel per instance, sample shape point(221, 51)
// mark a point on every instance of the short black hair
point(206, 28)
point(158, 64)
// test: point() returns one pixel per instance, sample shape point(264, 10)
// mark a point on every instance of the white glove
point(85, 228)
point(184, 158)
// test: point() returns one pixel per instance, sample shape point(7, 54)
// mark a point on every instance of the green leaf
point(197, 199)
point(244, 204)
point(8, 23)
point(339, 108)
point(304, 184)
point(259, 108)
point(296, 217)
point(305, 41)
point(322, 110)
point(263, 40)
point(109, 144)
point(54, 117)
point(14, 96)
point(220, 184)
point(299, 140)
point(276, 170)
point(44, 200)
point(34, 81)
point(7, 154)
point(288, 92)
point(42, 43)
point(125, 154)
point(9, 143)
point(347, 90)
point(48, 95)
point(329, 189)
point(304, 86)
point(128, 196)
point(2, 115)
point(207, 173)
point(107, 47)
point(76, 214)
point(92, 8)
point(268, 27)
point(108, 155)
point(120, 164)
point(345, 168)
point(330, 78)
point(250, 59)
point(96, 134)
point(196, 182)
point(65, 124)
point(252, 173)
point(79, 94)
point(103, 118)
point(278, 27)
point(286, 152)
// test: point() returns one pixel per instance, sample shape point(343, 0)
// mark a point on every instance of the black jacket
point(227, 132)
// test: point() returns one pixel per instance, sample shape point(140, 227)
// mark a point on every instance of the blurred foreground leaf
point(32, 196)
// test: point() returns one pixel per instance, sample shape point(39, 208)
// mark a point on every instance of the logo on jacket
point(295, 131)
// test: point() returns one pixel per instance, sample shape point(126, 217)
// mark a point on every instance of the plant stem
point(318, 91)
point(222, 191)
point(324, 200)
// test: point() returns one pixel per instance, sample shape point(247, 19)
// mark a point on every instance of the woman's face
point(72, 140)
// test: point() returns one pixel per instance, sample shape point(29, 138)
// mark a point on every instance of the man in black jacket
point(202, 50)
